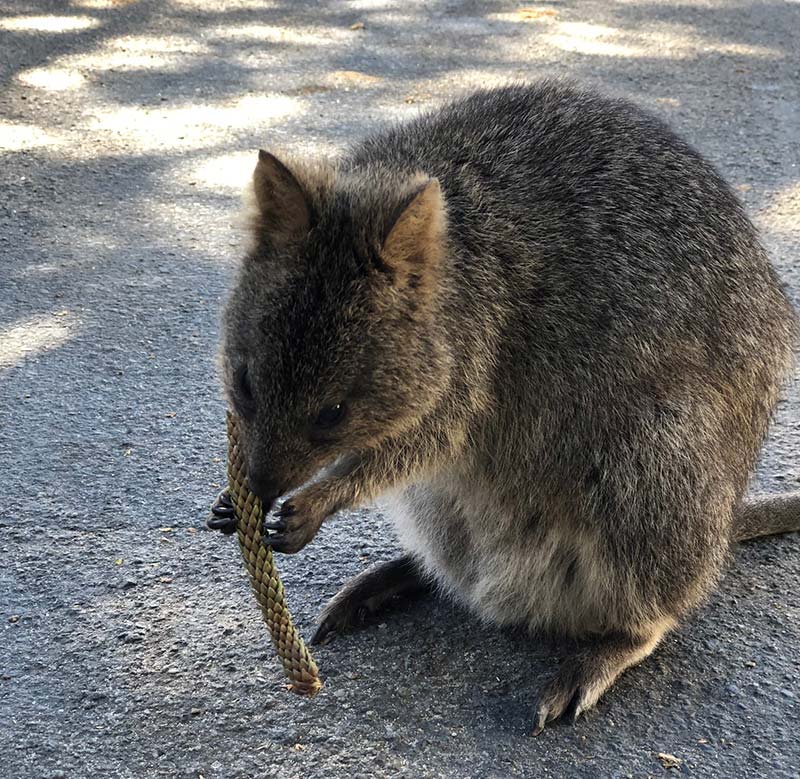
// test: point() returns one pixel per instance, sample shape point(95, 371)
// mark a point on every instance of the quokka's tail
point(767, 515)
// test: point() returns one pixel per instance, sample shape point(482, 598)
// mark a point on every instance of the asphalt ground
point(131, 646)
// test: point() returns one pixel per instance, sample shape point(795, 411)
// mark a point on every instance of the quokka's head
point(331, 336)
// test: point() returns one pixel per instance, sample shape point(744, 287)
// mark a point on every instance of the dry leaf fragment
point(532, 14)
point(668, 760)
point(347, 77)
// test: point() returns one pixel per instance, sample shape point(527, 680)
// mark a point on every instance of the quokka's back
point(595, 250)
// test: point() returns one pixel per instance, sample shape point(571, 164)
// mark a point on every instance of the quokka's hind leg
point(583, 677)
point(366, 593)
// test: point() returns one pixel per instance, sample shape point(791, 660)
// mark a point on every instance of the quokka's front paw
point(223, 514)
point(296, 522)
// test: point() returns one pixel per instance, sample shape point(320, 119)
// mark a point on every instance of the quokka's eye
point(330, 416)
point(244, 389)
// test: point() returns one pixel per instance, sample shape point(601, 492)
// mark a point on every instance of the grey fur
point(561, 401)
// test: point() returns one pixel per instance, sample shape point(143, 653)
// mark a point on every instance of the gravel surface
point(131, 644)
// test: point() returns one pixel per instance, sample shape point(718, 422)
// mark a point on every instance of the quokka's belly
point(542, 577)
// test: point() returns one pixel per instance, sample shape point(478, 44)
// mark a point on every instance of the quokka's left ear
point(282, 204)
point(414, 248)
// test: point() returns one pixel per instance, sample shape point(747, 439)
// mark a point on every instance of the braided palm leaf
point(297, 662)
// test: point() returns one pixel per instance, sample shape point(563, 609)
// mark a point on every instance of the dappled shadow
point(131, 138)
point(125, 142)
point(34, 33)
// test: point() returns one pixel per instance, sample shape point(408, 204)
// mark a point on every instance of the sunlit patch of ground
point(33, 336)
point(781, 213)
point(52, 79)
point(229, 172)
point(786, 203)
point(373, 5)
point(101, 5)
point(601, 40)
point(309, 36)
point(222, 6)
point(16, 136)
point(195, 125)
point(133, 53)
point(54, 24)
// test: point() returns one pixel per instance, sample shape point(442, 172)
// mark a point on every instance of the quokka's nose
point(266, 487)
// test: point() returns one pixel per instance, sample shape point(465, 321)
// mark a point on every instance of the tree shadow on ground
point(123, 180)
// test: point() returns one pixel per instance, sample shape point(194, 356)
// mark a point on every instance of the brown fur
point(541, 329)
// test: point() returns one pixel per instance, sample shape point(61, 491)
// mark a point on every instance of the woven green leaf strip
point(297, 662)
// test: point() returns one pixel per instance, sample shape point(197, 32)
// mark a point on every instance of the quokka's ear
point(414, 247)
point(281, 202)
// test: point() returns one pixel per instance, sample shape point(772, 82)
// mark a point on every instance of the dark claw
point(222, 506)
point(278, 525)
point(273, 541)
point(572, 712)
point(226, 525)
point(279, 542)
point(224, 515)
point(286, 510)
point(224, 499)
point(324, 634)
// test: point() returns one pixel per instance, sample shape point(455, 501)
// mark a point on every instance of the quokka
point(540, 327)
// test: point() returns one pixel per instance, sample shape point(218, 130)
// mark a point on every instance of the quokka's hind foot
point(366, 594)
point(583, 677)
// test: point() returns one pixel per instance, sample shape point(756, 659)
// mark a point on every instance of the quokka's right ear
point(414, 247)
point(281, 201)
